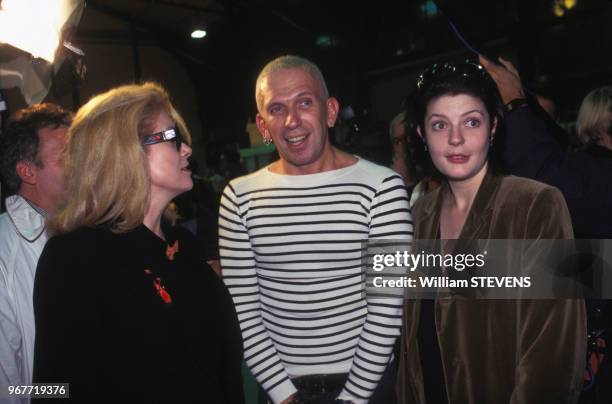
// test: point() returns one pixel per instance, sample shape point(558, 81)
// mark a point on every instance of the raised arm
point(532, 151)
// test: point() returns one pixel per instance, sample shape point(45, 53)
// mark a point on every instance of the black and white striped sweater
point(291, 253)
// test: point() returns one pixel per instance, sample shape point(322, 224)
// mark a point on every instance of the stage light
point(35, 25)
point(560, 7)
point(429, 9)
point(198, 33)
point(31, 32)
point(569, 4)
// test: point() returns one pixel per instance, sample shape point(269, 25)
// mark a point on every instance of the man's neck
point(41, 211)
point(34, 199)
point(333, 160)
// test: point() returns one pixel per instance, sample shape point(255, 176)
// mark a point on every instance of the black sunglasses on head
point(168, 135)
point(439, 71)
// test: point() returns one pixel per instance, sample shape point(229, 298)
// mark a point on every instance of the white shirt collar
point(29, 222)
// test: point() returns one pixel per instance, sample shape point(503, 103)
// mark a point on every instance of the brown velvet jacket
point(500, 351)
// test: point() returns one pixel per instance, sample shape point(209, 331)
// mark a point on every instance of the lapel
point(478, 217)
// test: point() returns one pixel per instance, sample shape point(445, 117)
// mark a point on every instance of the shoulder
point(78, 246)
point(426, 201)
point(248, 182)
point(7, 238)
point(67, 259)
point(518, 191)
point(81, 237)
point(381, 181)
point(536, 210)
point(6, 228)
point(376, 174)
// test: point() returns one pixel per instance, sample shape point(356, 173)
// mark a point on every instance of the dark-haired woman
point(458, 349)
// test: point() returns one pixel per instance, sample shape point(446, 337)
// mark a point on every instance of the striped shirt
point(291, 253)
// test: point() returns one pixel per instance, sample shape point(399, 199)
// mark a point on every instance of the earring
point(267, 140)
point(491, 141)
point(425, 146)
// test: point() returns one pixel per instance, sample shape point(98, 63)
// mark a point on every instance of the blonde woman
point(594, 122)
point(124, 306)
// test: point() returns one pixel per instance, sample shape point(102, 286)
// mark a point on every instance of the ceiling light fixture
point(198, 33)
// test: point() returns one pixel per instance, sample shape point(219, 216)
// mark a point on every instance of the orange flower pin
point(171, 250)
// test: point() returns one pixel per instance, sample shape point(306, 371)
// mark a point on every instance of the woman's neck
point(153, 215)
point(464, 192)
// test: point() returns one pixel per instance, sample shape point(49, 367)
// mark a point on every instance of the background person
point(31, 160)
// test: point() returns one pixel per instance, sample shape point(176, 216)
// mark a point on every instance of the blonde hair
point(106, 171)
point(595, 115)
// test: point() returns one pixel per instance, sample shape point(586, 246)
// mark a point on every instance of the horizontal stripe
point(292, 252)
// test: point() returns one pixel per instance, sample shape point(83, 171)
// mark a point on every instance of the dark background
point(369, 52)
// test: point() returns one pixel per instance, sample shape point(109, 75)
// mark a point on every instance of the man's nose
point(293, 119)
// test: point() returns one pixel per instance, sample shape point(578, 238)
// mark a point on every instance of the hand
point(216, 266)
point(292, 399)
point(506, 77)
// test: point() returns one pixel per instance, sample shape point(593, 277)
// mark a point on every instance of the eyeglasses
point(439, 71)
point(169, 135)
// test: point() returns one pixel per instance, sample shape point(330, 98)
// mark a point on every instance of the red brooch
point(171, 250)
point(160, 288)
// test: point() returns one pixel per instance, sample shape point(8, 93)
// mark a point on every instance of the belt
point(316, 384)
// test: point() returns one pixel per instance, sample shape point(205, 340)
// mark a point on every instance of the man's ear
point(261, 125)
point(26, 171)
point(333, 106)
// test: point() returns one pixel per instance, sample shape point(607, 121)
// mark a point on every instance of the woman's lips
point(458, 158)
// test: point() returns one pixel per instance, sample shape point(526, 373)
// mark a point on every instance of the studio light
point(35, 25)
point(31, 34)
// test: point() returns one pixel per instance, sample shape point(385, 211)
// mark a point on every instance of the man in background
point(31, 164)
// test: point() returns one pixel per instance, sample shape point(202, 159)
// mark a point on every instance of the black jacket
point(584, 178)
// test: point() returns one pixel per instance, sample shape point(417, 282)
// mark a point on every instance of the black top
point(119, 317)
point(434, 385)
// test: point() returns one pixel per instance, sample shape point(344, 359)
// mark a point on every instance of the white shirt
point(22, 238)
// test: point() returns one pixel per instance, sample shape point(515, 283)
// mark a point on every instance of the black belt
point(316, 384)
